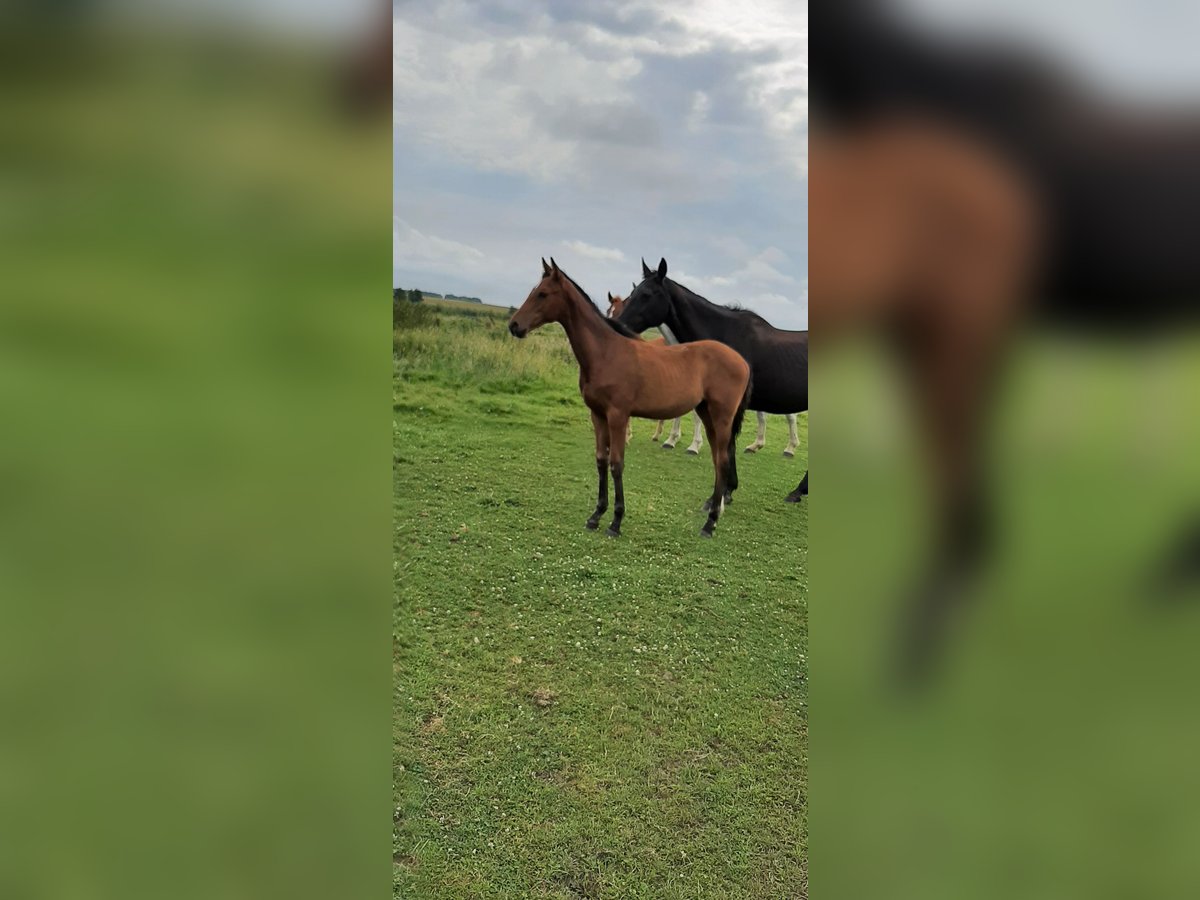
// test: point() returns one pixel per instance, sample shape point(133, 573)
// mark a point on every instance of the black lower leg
point(714, 508)
point(800, 491)
point(602, 494)
point(731, 477)
point(942, 594)
point(618, 469)
point(1179, 569)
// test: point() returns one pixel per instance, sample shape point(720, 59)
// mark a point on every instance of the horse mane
point(748, 313)
point(734, 307)
point(611, 323)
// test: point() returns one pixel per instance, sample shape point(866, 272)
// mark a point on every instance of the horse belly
point(780, 385)
point(663, 410)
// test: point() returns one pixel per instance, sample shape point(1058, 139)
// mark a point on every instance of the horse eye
point(541, 295)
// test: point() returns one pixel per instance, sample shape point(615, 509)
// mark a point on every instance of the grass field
point(578, 716)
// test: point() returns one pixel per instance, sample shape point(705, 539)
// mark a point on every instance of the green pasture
point(576, 715)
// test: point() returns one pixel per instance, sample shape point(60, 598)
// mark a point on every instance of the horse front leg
point(600, 427)
point(617, 423)
point(761, 440)
point(793, 439)
point(673, 438)
point(953, 384)
point(697, 440)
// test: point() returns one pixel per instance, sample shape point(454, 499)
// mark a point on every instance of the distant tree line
point(416, 295)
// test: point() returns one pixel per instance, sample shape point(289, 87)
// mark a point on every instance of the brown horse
point(616, 303)
point(620, 375)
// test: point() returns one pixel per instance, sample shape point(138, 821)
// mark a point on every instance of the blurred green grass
point(193, 495)
point(1053, 754)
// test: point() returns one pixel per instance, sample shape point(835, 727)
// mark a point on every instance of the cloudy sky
point(599, 132)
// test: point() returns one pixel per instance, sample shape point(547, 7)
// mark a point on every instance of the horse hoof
point(789, 453)
point(793, 498)
point(613, 532)
point(705, 533)
point(591, 524)
point(668, 446)
point(692, 452)
point(751, 450)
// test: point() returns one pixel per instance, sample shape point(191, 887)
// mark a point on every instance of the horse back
point(720, 361)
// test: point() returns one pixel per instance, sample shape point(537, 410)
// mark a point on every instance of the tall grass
point(431, 343)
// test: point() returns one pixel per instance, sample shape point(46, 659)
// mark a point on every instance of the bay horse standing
point(620, 375)
point(616, 303)
point(778, 359)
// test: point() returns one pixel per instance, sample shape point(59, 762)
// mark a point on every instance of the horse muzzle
point(516, 330)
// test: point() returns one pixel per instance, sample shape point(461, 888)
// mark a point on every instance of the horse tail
point(731, 477)
point(741, 410)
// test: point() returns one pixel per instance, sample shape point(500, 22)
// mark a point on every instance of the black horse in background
point(778, 359)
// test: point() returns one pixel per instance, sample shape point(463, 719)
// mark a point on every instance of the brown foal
point(616, 303)
point(620, 375)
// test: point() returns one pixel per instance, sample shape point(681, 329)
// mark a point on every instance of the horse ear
point(633, 284)
point(610, 297)
point(554, 267)
point(662, 268)
point(545, 268)
point(645, 268)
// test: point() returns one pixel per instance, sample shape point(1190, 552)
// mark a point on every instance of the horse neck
point(690, 318)
point(587, 334)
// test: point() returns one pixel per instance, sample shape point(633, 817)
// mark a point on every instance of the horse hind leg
point(760, 440)
point(697, 441)
point(617, 423)
point(731, 475)
point(793, 437)
point(657, 431)
point(720, 453)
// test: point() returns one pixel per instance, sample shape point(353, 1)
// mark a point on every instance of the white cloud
point(483, 98)
point(415, 249)
point(593, 252)
point(758, 270)
point(777, 86)
point(649, 131)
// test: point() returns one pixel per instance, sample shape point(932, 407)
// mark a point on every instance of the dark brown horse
point(620, 375)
